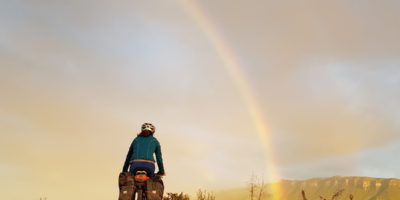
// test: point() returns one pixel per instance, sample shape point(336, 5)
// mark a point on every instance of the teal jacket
point(144, 148)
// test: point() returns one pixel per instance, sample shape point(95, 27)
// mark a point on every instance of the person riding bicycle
point(140, 155)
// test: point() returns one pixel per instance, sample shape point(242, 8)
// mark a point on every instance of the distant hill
point(362, 188)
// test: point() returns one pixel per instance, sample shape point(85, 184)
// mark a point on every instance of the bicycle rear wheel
point(139, 195)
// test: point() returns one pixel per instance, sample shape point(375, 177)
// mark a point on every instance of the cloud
point(78, 78)
point(324, 72)
point(375, 162)
point(332, 110)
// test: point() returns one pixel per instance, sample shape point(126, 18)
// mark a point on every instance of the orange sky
point(77, 79)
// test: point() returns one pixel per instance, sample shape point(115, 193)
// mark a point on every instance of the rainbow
point(233, 68)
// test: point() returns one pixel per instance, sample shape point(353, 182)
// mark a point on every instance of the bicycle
point(145, 190)
point(140, 179)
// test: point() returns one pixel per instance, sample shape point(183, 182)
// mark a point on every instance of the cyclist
point(140, 155)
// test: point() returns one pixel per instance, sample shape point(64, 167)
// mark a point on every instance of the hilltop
point(362, 188)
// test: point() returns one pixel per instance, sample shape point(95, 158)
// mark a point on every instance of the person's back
point(140, 155)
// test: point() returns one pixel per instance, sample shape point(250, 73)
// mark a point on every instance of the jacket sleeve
point(159, 159)
point(127, 159)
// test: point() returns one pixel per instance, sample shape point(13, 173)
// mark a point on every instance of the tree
point(303, 194)
point(336, 195)
point(204, 195)
point(176, 196)
point(257, 188)
point(252, 186)
point(261, 192)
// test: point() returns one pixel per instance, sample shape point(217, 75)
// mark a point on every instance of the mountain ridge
point(365, 188)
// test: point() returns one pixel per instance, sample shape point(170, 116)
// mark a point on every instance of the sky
point(78, 78)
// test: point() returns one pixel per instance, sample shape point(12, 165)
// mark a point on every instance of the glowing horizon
point(232, 67)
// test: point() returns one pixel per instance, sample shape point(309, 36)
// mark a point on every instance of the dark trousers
point(143, 166)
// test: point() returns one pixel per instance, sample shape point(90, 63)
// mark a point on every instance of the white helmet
point(149, 127)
